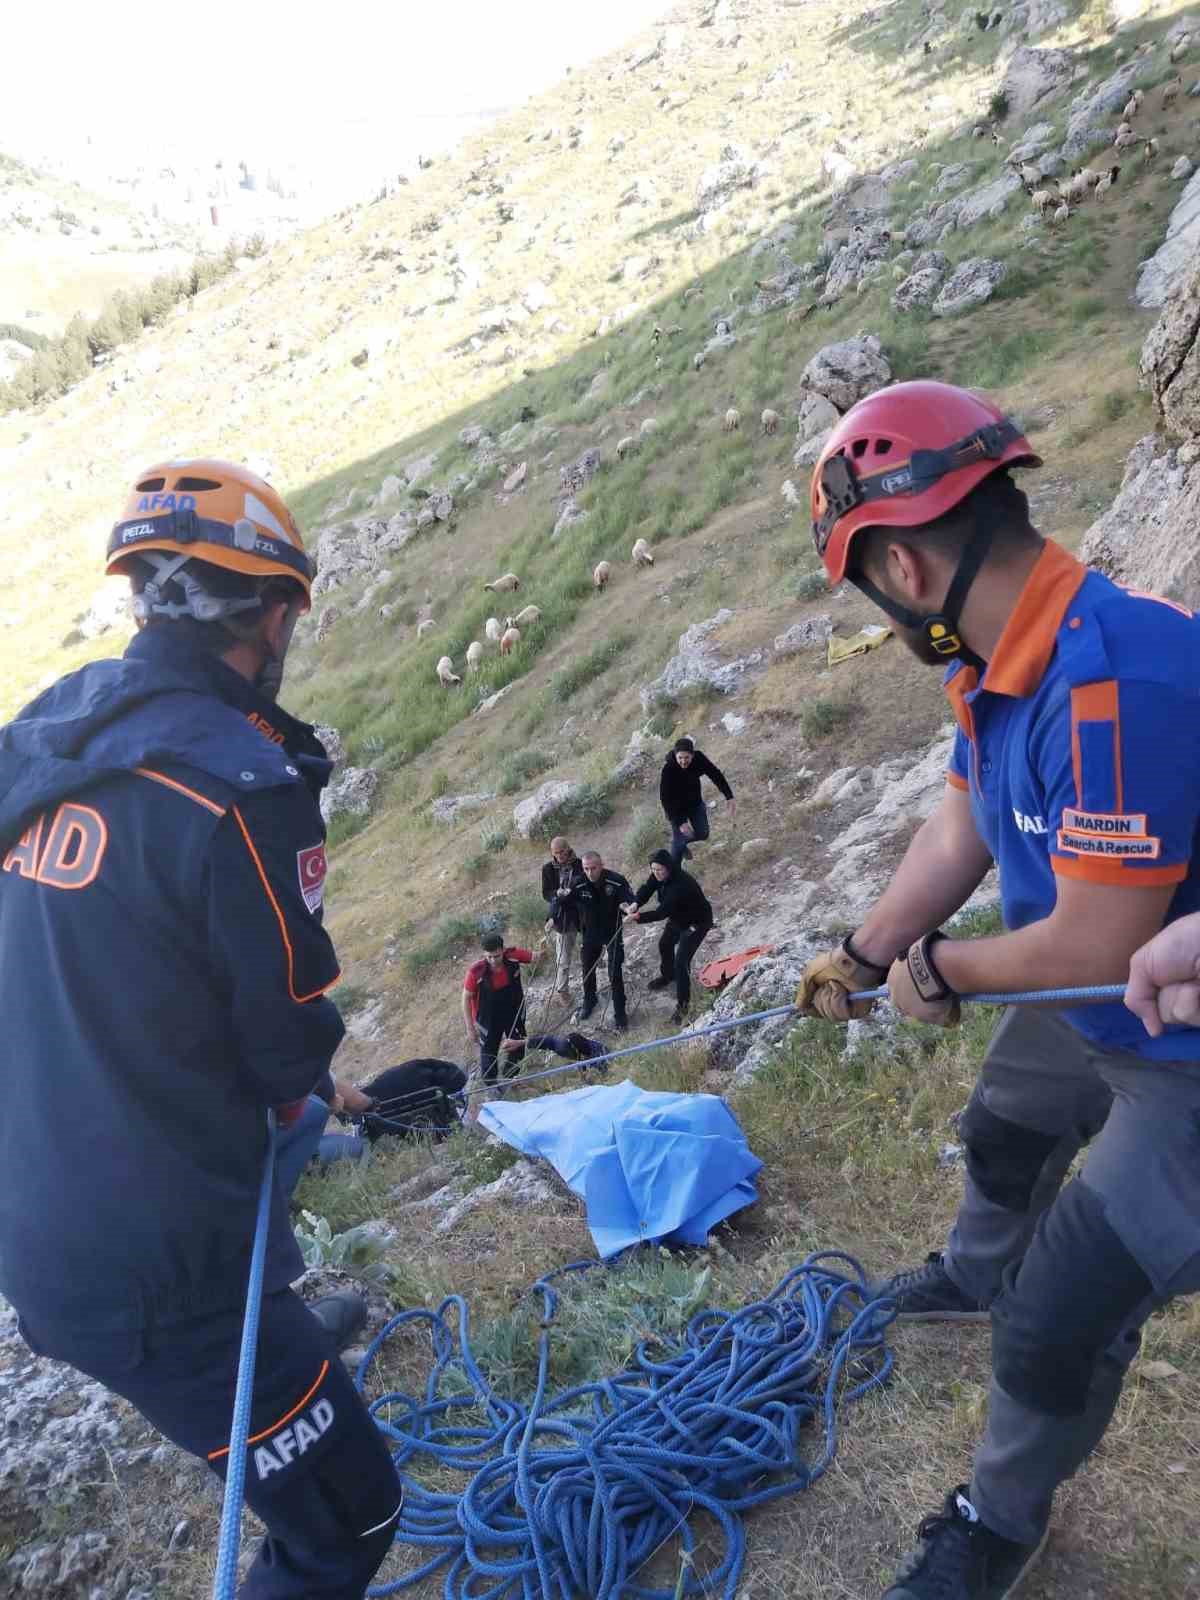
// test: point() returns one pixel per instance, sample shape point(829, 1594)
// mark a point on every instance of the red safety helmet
point(905, 456)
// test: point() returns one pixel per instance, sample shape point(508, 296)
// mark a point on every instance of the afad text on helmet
point(167, 502)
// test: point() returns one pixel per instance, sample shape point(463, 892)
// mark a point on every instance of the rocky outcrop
point(971, 284)
point(918, 289)
point(1147, 536)
point(349, 792)
point(696, 668)
point(449, 808)
point(1178, 251)
point(641, 759)
point(811, 634)
point(530, 815)
point(576, 476)
point(1033, 76)
point(846, 372)
point(988, 203)
point(719, 182)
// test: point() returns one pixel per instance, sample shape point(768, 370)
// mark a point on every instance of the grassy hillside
point(363, 346)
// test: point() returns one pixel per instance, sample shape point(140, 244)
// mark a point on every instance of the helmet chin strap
point(940, 628)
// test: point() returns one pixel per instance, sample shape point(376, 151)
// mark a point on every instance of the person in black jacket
point(600, 899)
point(561, 876)
point(679, 792)
point(689, 918)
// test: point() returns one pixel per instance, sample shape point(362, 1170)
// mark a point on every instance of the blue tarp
point(649, 1166)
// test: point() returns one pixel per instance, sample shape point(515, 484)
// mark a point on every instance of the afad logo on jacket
point(312, 866)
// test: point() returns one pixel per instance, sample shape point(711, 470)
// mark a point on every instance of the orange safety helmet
point(211, 511)
point(905, 456)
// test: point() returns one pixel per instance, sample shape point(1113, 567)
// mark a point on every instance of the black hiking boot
point(679, 1016)
point(342, 1315)
point(660, 983)
point(621, 1024)
point(929, 1294)
point(585, 1011)
point(959, 1559)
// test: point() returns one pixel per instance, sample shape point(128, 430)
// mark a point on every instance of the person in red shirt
point(493, 1000)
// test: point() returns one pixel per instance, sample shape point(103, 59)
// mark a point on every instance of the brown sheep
point(508, 639)
point(601, 573)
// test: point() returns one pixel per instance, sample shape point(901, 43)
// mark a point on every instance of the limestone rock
point(1171, 358)
point(970, 285)
point(420, 468)
point(515, 478)
point(1178, 251)
point(847, 371)
point(770, 981)
point(1078, 145)
point(955, 176)
point(349, 792)
point(1146, 537)
point(1095, 108)
point(988, 202)
point(1033, 76)
point(1032, 18)
point(1032, 142)
point(529, 815)
point(335, 749)
point(720, 181)
point(491, 701)
point(448, 808)
point(569, 514)
point(696, 667)
point(579, 473)
point(521, 1185)
point(1183, 168)
point(643, 755)
point(918, 289)
point(807, 635)
point(853, 260)
point(325, 622)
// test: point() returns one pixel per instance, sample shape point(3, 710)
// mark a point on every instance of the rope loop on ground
point(574, 1493)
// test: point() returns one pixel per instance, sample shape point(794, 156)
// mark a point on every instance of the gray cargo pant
point(1071, 1275)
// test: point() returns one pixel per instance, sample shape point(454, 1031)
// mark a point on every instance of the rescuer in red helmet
point(1076, 772)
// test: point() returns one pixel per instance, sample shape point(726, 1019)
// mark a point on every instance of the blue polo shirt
point(1080, 750)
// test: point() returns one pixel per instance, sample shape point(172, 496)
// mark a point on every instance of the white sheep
point(1062, 213)
point(641, 554)
point(1126, 138)
point(1181, 47)
point(508, 639)
point(446, 673)
point(1029, 176)
point(1132, 106)
point(524, 618)
point(627, 446)
point(1042, 199)
point(474, 655)
point(1106, 182)
point(425, 626)
point(697, 360)
point(1171, 90)
point(506, 582)
point(493, 630)
point(601, 573)
point(733, 420)
point(770, 421)
point(649, 426)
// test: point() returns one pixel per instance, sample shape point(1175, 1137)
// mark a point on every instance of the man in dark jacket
point(689, 919)
point(561, 876)
point(679, 792)
point(599, 899)
point(164, 967)
point(493, 1000)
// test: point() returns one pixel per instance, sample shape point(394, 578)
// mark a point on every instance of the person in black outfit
point(689, 918)
point(679, 792)
point(493, 1000)
point(561, 876)
point(599, 900)
point(415, 1097)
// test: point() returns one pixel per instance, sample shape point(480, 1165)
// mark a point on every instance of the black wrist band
point(923, 970)
point(861, 960)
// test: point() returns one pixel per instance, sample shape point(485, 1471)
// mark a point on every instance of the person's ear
point(909, 571)
point(276, 626)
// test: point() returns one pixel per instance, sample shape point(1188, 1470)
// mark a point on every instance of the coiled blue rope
point(575, 1493)
point(225, 1578)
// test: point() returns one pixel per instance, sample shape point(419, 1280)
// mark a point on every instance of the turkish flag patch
point(311, 865)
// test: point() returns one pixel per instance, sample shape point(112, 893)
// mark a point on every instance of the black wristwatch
point(922, 969)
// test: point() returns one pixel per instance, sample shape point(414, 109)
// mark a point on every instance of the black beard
point(270, 678)
point(919, 645)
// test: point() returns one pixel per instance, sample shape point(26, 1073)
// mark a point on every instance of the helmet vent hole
point(151, 485)
point(196, 484)
point(882, 446)
point(860, 448)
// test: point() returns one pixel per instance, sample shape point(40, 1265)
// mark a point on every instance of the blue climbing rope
point(723, 1411)
point(574, 1493)
point(225, 1578)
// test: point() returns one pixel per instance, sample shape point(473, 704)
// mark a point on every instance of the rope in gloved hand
point(1086, 995)
point(574, 1493)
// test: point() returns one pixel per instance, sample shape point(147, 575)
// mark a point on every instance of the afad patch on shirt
point(311, 865)
point(1112, 835)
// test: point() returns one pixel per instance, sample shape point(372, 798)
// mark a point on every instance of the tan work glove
point(918, 989)
point(831, 978)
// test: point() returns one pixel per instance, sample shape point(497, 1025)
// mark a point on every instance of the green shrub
point(356, 1251)
point(494, 838)
point(1113, 406)
point(662, 722)
point(998, 106)
point(647, 830)
point(477, 866)
point(25, 336)
point(344, 827)
point(811, 585)
point(519, 767)
point(589, 667)
point(819, 718)
point(351, 997)
point(447, 939)
point(439, 783)
point(590, 803)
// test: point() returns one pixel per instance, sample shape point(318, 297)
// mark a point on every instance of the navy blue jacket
point(162, 965)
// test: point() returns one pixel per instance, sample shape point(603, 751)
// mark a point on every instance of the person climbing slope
point(681, 798)
point(165, 966)
point(688, 916)
point(1076, 770)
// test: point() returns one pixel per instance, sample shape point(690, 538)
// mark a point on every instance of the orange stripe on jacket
point(282, 921)
point(181, 788)
point(1117, 874)
point(215, 1455)
point(1096, 702)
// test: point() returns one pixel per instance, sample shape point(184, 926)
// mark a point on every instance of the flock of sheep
point(508, 636)
point(1059, 202)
